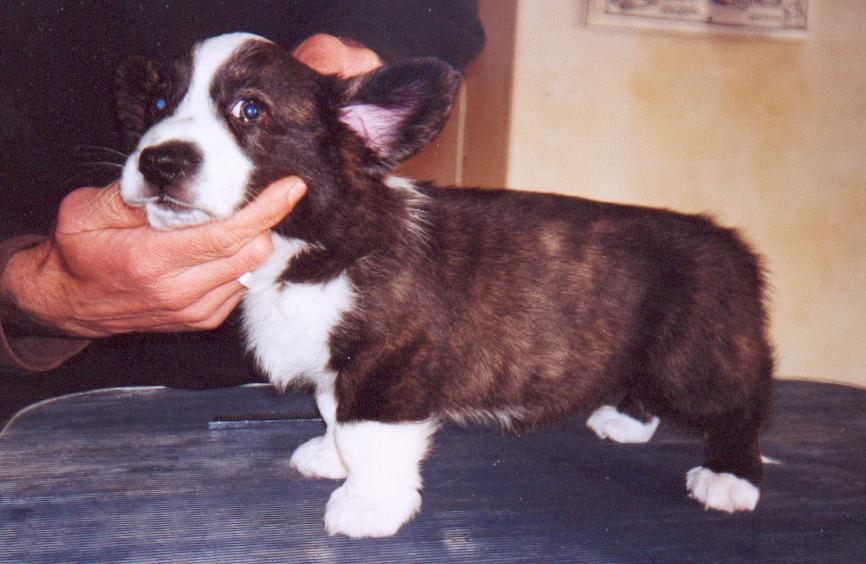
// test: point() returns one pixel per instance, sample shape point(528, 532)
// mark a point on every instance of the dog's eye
point(247, 109)
point(159, 104)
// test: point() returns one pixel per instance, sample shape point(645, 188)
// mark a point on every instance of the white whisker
point(98, 148)
point(97, 164)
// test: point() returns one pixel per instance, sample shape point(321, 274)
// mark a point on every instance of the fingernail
point(245, 279)
point(295, 190)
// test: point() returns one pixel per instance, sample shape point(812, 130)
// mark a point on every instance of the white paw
point(357, 513)
point(318, 458)
point(724, 491)
point(608, 423)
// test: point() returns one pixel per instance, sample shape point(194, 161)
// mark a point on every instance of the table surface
point(139, 475)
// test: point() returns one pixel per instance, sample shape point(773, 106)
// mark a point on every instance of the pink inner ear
point(377, 126)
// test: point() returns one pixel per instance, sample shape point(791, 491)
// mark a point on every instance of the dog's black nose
point(164, 165)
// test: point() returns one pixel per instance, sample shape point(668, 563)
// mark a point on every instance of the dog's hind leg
point(732, 473)
point(628, 422)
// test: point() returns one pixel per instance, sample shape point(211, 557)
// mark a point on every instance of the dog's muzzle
point(168, 167)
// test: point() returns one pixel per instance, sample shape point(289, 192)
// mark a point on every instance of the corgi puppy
point(404, 305)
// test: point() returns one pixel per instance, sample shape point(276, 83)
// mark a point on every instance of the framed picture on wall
point(787, 18)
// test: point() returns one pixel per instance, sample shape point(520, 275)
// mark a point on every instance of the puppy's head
point(211, 129)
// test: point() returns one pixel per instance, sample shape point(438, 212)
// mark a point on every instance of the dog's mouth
point(165, 212)
point(173, 204)
point(166, 202)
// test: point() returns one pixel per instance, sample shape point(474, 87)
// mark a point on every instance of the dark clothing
point(56, 62)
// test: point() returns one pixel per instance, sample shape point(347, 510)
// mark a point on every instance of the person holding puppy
point(104, 299)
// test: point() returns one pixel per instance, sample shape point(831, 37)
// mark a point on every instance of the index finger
point(95, 209)
point(225, 238)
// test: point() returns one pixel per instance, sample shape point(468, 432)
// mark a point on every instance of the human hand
point(105, 271)
point(327, 54)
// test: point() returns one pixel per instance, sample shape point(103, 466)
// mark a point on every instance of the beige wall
point(767, 135)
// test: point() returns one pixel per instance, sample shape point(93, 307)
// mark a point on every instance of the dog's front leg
point(318, 457)
point(381, 492)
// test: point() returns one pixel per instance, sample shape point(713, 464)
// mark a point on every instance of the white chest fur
point(288, 325)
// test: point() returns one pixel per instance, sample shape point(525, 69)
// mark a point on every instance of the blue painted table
point(138, 475)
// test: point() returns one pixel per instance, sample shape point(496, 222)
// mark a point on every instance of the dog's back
point(538, 304)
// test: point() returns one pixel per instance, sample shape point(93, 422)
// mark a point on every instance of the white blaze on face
point(218, 188)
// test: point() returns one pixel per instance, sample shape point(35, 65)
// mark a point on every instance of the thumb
point(269, 208)
point(93, 209)
point(225, 238)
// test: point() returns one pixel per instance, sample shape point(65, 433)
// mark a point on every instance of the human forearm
point(27, 344)
point(10, 252)
point(23, 292)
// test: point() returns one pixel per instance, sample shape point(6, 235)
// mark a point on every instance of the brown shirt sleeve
point(22, 348)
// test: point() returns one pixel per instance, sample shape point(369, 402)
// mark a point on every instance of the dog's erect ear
point(134, 81)
point(398, 109)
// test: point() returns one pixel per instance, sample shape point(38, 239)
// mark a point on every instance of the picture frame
point(775, 18)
